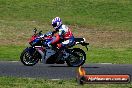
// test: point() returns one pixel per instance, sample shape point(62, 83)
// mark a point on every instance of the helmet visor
point(54, 25)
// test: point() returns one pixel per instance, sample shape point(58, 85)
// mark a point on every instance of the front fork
point(41, 50)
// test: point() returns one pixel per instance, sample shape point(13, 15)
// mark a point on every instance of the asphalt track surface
point(61, 71)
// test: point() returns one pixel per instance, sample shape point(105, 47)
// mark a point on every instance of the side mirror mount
point(35, 30)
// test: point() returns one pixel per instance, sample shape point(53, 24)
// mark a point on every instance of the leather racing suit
point(65, 34)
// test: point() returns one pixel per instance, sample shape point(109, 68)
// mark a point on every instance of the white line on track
point(105, 63)
point(55, 79)
point(13, 61)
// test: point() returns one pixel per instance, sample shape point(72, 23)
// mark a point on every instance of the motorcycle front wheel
point(77, 58)
point(29, 56)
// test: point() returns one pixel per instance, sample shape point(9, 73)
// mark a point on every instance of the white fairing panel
point(49, 52)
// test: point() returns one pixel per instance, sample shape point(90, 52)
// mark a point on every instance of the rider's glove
point(49, 44)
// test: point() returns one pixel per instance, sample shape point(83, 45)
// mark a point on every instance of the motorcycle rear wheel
point(77, 59)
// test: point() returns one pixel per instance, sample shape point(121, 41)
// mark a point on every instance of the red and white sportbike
point(39, 51)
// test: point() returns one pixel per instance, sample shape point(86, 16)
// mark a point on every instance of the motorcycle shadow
point(61, 66)
point(89, 67)
point(85, 67)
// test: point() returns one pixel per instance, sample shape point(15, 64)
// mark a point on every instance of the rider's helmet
point(56, 23)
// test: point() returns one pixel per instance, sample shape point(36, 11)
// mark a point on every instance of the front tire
point(76, 60)
point(29, 56)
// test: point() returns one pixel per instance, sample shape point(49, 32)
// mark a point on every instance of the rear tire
point(29, 56)
point(74, 61)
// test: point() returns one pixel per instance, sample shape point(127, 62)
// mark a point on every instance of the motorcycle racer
point(64, 33)
point(59, 53)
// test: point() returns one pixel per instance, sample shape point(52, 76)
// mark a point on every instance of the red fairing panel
point(57, 38)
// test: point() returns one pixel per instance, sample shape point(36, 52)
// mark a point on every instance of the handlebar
point(35, 32)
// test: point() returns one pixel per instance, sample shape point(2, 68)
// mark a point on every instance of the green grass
point(109, 55)
point(11, 82)
point(98, 14)
point(10, 53)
